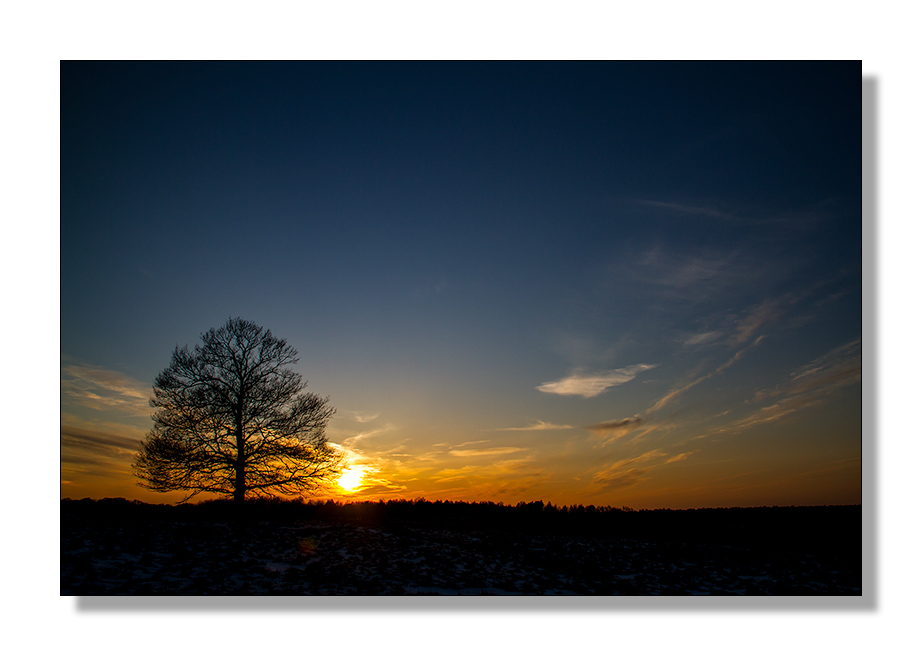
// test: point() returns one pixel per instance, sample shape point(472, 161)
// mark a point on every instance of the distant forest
point(797, 528)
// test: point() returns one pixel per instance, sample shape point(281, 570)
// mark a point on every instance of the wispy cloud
point(676, 272)
point(463, 444)
point(756, 318)
point(103, 389)
point(613, 480)
point(97, 441)
point(772, 310)
point(352, 440)
point(490, 479)
point(625, 473)
point(702, 338)
point(378, 488)
point(495, 451)
point(538, 426)
point(616, 428)
point(841, 366)
point(86, 452)
point(593, 384)
point(364, 418)
point(681, 390)
point(808, 386)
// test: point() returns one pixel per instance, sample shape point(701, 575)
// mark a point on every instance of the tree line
point(785, 528)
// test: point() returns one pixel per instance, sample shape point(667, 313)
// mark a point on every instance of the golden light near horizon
point(351, 478)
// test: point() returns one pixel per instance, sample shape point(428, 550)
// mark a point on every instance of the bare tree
point(233, 419)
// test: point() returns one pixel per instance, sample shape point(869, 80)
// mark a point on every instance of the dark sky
point(584, 282)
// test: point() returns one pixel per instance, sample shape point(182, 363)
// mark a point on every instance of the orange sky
point(795, 458)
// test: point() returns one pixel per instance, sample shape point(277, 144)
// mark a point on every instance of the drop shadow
point(468, 604)
point(870, 333)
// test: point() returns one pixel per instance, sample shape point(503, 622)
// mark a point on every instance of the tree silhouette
point(232, 419)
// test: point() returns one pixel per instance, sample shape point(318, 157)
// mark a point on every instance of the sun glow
point(351, 478)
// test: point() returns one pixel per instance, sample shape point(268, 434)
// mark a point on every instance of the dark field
point(117, 547)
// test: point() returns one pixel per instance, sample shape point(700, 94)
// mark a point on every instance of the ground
point(122, 554)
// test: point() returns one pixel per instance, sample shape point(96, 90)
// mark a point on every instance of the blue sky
point(613, 283)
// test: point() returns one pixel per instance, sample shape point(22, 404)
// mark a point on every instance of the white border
point(37, 35)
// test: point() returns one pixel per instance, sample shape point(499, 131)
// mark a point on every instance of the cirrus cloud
point(494, 451)
point(617, 428)
point(538, 425)
point(98, 388)
point(811, 385)
point(593, 384)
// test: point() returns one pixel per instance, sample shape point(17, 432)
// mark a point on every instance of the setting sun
point(351, 478)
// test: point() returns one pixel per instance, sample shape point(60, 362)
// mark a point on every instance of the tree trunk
point(240, 466)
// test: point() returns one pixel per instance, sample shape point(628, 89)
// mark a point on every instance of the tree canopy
point(233, 419)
